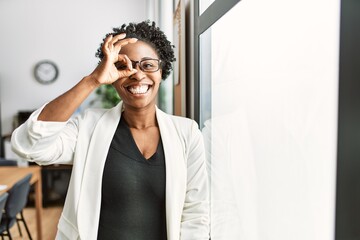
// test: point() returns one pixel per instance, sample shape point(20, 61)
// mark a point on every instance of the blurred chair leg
point(18, 225)
point(26, 227)
point(7, 234)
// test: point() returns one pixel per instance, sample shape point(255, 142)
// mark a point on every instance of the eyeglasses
point(146, 65)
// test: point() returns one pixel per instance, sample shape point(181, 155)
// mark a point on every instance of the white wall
point(67, 32)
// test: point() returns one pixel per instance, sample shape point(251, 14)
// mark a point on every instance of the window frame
point(202, 23)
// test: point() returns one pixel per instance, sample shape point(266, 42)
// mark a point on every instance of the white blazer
point(84, 142)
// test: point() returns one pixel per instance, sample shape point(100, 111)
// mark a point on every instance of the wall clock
point(46, 72)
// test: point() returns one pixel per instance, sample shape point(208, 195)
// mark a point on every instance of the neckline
point(152, 158)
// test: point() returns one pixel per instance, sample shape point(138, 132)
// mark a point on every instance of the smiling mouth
point(138, 89)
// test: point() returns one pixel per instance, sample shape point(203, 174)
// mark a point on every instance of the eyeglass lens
point(146, 65)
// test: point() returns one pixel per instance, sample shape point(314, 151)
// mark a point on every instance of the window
point(266, 95)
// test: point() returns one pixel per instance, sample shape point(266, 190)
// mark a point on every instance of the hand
point(106, 72)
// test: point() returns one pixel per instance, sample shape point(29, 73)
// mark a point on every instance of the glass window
point(268, 113)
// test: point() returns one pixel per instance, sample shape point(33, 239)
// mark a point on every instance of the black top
point(133, 191)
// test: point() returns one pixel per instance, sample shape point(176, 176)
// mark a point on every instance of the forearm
point(62, 108)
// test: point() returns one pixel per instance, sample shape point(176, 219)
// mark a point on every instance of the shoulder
point(177, 120)
point(91, 116)
point(185, 127)
point(182, 121)
point(94, 114)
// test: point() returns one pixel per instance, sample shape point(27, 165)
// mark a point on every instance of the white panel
point(271, 138)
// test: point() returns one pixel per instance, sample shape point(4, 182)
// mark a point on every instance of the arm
point(45, 142)
point(61, 108)
point(48, 136)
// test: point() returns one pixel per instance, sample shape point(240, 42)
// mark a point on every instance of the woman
point(138, 173)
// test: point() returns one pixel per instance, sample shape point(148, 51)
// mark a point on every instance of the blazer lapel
point(174, 151)
point(90, 195)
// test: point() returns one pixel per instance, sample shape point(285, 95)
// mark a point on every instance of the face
point(139, 91)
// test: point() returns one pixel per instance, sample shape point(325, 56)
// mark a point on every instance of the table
point(10, 175)
point(55, 178)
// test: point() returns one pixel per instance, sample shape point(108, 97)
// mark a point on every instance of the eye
point(149, 64)
point(121, 66)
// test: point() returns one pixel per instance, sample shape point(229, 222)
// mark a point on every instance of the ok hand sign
point(106, 72)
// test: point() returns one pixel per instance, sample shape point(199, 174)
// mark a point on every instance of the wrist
point(92, 81)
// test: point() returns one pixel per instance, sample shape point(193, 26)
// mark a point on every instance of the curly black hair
point(148, 32)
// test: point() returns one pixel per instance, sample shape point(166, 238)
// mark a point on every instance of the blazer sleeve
point(45, 142)
point(195, 218)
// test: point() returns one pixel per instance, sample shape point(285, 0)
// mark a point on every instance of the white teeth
point(138, 89)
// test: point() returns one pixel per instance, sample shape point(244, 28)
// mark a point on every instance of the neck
point(140, 119)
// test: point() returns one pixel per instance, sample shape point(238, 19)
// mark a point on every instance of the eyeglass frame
point(134, 63)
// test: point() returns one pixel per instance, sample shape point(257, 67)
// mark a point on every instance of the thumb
point(128, 72)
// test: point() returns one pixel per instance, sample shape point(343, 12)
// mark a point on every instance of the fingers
point(128, 62)
point(115, 63)
point(105, 47)
point(128, 70)
point(115, 43)
point(127, 73)
point(111, 40)
point(120, 43)
point(116, 38)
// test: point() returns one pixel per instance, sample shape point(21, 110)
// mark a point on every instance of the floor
point(50, 219)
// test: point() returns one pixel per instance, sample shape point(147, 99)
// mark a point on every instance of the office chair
point(14, 206)
point(3, 198)
point(7, 162)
